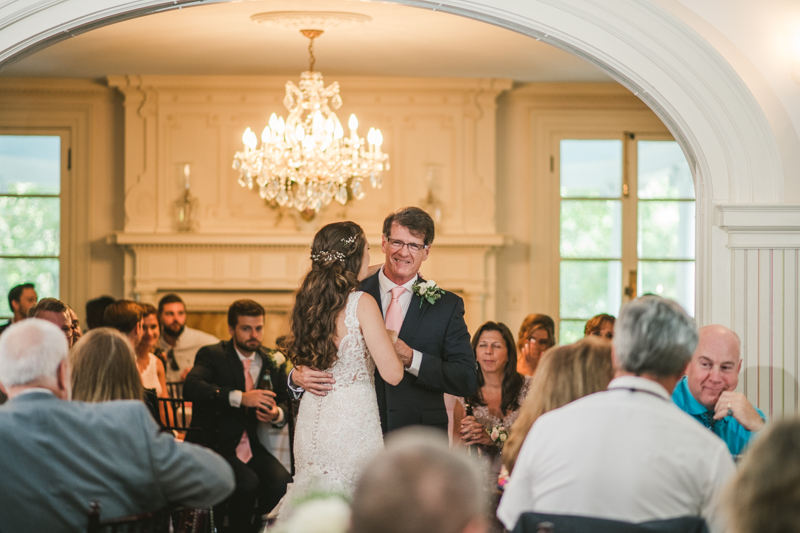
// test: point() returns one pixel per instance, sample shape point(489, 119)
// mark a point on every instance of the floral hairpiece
point(326, 256)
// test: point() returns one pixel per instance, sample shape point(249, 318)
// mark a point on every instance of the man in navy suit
point(433, 342)
point(227, 388)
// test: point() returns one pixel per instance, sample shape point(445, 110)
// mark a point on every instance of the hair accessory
point(325, 256)
point(349, 240)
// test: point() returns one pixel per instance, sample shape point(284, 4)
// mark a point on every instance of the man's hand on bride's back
point(312, 380)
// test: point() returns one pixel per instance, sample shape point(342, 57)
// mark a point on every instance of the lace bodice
point(337, 434)
point(354, 362)
point(487, 420)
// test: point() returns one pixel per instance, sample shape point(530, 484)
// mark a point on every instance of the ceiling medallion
point(306, 161)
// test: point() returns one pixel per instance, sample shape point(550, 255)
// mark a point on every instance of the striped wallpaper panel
point(766, 295)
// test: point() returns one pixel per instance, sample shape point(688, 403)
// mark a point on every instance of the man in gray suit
point(57, 455)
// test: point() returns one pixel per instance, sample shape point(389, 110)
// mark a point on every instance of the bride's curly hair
point(336, 257)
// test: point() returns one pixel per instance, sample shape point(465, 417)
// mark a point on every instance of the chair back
point(175, 389)
point(553, 523)
point(173, 414)
point(154, 522)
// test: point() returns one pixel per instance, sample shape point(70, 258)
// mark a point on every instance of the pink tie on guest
point(243, 451)
point(394, 313)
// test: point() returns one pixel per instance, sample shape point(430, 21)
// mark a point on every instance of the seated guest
point(58, 456)
point(125, 316)
point(485, 418)
point(566, 373)
point(417, 485)
point(627, 453)
point(536, 335)
point(230, 387)
point(601, 325)
point(103, 368)
point(151, 367)
point(179, 342)
point(764, 495)
point(54, 311)
point(20, 299)
point(95, 309)
point(707, 391)
point(77, 333)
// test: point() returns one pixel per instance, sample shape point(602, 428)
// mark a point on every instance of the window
point(30, 214)
point(626, 226)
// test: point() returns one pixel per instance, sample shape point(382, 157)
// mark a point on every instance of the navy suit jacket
point(216, 372)
point(57, 456)
point(439, 332)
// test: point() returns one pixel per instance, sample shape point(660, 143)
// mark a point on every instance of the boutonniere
point(428, 291)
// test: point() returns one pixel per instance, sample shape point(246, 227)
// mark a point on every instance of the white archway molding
point(697, 94)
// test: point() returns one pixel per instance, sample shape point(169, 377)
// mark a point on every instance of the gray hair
point(31, 350)
point(655, 336)
point(442, 488)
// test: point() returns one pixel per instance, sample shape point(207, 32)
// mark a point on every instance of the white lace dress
point(150, 376)
point(337, 434)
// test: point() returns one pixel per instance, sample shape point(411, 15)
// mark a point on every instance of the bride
point(334, 328)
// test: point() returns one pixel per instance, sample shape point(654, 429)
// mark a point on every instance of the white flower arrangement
point(428, 291)
point(498, 434)
point(322, 514)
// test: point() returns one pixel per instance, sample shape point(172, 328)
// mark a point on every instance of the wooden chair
point(175, 389)
point(154, 522)
point(533, 522)
point(183, 521)
point(174, 413)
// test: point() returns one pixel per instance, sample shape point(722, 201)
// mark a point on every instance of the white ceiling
point(220, 39)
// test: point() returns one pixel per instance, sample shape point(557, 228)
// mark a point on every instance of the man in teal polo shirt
point(707, 391)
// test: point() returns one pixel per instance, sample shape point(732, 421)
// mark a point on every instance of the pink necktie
point(243, 451)
point(394, 313)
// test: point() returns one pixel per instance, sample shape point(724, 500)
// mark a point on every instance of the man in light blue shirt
point(707, 392)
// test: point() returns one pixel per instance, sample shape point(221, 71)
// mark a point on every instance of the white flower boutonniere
point(428, 291)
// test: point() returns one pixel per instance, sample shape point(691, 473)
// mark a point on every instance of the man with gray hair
point(628, 453)
point(418, 485)
point(58, 456)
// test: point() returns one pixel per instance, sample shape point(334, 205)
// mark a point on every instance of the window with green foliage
point(30, 214)
point(626, 226)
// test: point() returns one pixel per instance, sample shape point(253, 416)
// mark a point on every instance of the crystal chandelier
point(306, 161)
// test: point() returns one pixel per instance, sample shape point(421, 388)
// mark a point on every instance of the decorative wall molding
point(759, 226)
point(213, 270)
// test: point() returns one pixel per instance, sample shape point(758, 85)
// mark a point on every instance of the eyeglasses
point(413, 248)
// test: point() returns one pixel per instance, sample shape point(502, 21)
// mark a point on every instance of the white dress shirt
point(624, 454)
point(186, 347)
point(235, 396)
point(386, 286)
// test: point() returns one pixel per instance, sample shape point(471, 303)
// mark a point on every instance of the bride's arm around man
point(433, 343)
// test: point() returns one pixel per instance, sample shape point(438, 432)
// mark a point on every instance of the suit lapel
point(264, 368)
point(413, 316)
point(237, 368)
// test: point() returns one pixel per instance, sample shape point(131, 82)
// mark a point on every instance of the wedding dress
point(337, 434)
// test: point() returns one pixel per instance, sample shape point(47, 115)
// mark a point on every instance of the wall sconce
point(431, 203)
point(186, 204)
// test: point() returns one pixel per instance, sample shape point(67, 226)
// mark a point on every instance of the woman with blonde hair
point(566, 373)
point(536, 335)
point(104, 368)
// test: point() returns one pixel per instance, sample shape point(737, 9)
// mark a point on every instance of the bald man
point(707, 392)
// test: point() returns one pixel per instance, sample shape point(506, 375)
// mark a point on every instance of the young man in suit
point(58, 456)
point(433, 342)
point(228, 387)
